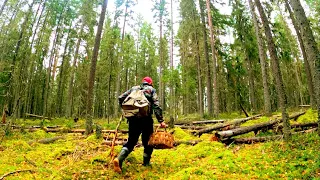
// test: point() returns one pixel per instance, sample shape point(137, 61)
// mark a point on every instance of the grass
point(80, 157)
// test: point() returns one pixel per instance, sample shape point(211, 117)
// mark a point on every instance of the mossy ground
point(80, 157)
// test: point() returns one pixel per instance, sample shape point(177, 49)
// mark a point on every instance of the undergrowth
point(80, 157)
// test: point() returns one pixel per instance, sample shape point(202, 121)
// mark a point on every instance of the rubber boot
point(117, 162)
point(146, 160)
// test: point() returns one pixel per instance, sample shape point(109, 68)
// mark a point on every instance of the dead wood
point(244, 130)
point(47, 140)
point(17, 171)
point(37, 116)
point(222, 125)
point(189, 142)
point(208, 121)
point(54, 130)
point(191, 127)
point(176, 143)
point(264, 138)
point(300, 125)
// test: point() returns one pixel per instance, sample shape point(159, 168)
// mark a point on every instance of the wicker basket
point(161, 140)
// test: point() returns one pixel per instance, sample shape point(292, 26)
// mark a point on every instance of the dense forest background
point(71, 58)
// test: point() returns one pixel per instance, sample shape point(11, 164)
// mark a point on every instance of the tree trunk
point(244, 130)
point(313, 54)
point(61, 84)
point(219, 126)
point(73, 69)
point(3, 5)
point(38, 23)
point(16, 74)
point(172, 94)
point(206, 55)
point(161, 92)
point(120, 60)
point(53, 50)
point(262, 56)
point(96, 47)
point(251, 86)
point(276, 71)
point(305, 58)
point(214, 59)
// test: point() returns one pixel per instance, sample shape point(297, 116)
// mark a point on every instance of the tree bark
point(276, 71)
point(262, 56)
point(313, 54)
point(120, 60)
point(244, 130)
point(96, 47)
point(219, 126)
point(3, 5)
point(172, 94)
point(161, 88)
point(305, 58)
point(61, 84)
point(206, 56)
point(53, 50)
point(73, 69)
point(264, 138)
point(214, 59)
point(256, 127)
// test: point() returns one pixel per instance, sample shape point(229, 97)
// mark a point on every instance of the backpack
point(136, 104)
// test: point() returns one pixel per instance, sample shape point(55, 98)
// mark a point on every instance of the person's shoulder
point(135, 87)
point(150, 88)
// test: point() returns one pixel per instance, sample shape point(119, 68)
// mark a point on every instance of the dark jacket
point(152, 97)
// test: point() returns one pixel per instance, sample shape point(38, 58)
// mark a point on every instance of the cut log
point(304, 105)
point(189, 142)
point(264, 138)
point(300, 125)
point(191, 127)
point(176, 143)
point(244, 130)
point(222, 125)
point(256, 127)
point(208, 121)
point(37, 116)
point(82, 130)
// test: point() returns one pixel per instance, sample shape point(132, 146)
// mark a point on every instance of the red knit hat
point(147, 80)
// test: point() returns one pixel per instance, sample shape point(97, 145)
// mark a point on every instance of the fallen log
point(47, 140)
point(189, 142)
point(300, 125)
point(243, 130)
point(256, 127)
point(82, 130)
point(208, 121)
point(222, 125)
point(176, 143)
point(264, 138)
point(191, 127)
point(38, 116)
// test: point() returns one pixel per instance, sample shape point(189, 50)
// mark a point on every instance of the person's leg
point(134, 133)
point(147, 130)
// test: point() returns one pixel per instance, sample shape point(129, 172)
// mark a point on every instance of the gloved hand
point(163, 125)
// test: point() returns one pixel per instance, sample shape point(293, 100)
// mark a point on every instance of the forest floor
point(84, 157)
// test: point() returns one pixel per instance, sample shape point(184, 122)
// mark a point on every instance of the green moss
point(256, 121)
point(310, 116)
point(180, 134)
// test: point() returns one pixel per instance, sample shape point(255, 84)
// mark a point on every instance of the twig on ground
point(29, 161)
point(17, 171)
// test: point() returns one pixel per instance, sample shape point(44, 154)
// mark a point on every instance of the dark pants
point(136, 127)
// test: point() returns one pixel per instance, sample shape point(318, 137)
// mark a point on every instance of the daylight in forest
point(159, 89)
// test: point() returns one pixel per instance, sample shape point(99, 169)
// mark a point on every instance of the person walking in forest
point(139, 119)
